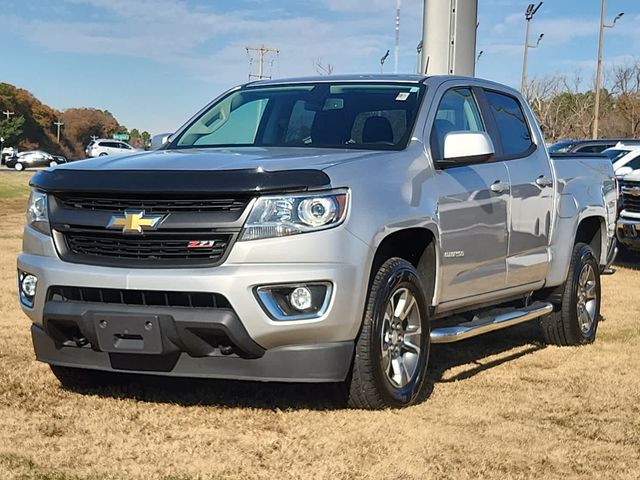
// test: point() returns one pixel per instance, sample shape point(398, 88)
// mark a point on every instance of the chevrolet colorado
point(628, 227)
point(318, 230)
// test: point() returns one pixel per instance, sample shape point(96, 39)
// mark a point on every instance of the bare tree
point(626, 89)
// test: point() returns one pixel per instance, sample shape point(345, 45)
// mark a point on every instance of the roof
point(382, 78)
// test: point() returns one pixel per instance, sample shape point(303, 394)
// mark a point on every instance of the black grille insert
point(158, 248)
point(156, 298)
point(152, 205)
point(631, 201)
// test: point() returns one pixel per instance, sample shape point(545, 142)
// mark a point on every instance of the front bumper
point(328, 362)
point(628, 232)
point(296, 350)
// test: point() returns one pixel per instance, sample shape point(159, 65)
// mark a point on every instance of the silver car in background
point(104, 146)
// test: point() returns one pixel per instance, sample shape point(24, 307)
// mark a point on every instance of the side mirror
point(159, 140)
point(622, 171)
point(466, 148)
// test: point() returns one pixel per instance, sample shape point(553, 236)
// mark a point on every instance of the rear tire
point(53, 163)
point(80, 378)
point(103, 154)
point(392, 349)
point(576, 322)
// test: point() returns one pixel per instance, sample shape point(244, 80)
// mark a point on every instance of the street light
point(528, 15)
point(479, 55)
point(382, 60)
point(596, 107)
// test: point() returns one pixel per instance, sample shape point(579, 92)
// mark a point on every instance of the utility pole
point(58, 124)
point(262, 52)
point(596, 106)
point(396, 50)
point(528, 15)
point(94, 137)
point(419, 61)
point(382, 60)
point(449, 37)
point(8, 113)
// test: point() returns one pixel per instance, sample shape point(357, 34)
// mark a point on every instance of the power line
point(262, 52)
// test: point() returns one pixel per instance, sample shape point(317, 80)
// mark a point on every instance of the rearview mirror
point(465, 148)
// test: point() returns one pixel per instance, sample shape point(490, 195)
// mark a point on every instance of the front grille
point(630, 202)
point(151, 204)
point(152, 249)
point(154, 298)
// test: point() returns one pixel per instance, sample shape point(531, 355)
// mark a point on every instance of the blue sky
point(154, 63)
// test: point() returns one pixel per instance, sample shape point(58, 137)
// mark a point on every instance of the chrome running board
point(490, 322)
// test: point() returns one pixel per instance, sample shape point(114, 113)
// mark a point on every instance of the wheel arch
point(592, 230)
point(418, 246)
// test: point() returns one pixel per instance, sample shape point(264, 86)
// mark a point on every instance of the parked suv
point(103, 147)
point(327, 229)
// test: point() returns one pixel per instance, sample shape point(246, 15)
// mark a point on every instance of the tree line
point(564, 110)
point(31, 126)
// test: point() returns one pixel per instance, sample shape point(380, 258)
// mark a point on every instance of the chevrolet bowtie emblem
point(635, 191)
point(135, 222)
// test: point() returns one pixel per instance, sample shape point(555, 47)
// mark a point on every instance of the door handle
point(499, 186)
point(543, 181)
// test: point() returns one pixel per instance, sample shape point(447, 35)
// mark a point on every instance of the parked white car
point(105, 146)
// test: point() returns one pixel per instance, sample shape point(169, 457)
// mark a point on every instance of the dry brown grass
point(502, 407)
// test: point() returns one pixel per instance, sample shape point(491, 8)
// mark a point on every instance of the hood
point(215, 159)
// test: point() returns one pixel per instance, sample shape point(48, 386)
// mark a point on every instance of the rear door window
point(513, 129)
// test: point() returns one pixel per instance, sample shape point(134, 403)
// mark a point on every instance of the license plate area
point(128, 333)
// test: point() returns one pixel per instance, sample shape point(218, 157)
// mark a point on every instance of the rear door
point(531, 187)
point(472, 211)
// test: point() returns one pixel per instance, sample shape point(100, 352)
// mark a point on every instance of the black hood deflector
point(179, 181)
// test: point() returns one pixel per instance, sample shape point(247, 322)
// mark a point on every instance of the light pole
point(479, 56)
point(419, 51)
point(382, 60)
point(596, 106)
point(528, 15)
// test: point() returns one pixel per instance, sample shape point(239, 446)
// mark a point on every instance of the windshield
point(615, 154)
point(373, 116)
point(561, 147)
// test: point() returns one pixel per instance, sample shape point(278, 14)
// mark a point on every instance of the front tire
point(392, 349)
point(18, 166)
point(53, 163)
point(576, 322)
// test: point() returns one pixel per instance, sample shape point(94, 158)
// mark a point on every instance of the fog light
point(28, 284)
point(301, 299)
point(295, 302)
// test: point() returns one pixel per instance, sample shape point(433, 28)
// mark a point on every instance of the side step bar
point(480, 325)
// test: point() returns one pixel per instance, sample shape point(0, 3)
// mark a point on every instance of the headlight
point(284, 215)
point(38, 212)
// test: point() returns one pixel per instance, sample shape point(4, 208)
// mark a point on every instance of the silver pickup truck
point(318, 230)
point(628, 229)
